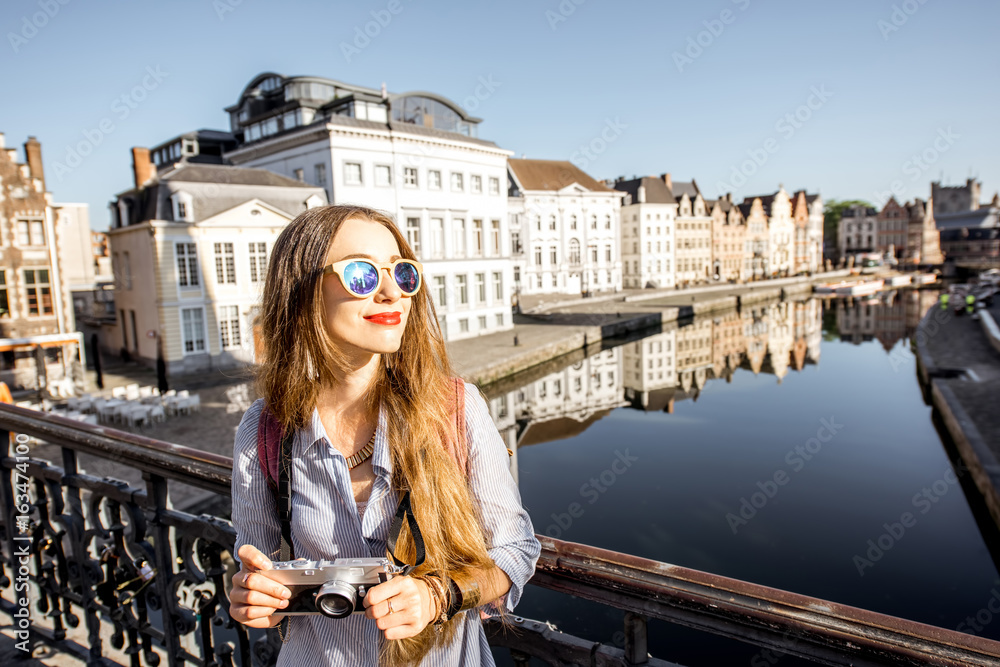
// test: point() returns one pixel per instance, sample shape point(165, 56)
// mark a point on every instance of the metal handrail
point(808, 627)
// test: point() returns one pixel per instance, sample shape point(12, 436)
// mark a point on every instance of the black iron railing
point(148, 581)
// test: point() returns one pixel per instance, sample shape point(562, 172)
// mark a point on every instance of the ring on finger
point(246, 578)
point(389, 602)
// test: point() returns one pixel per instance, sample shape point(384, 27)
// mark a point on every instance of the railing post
point(636, 646)
point(156, 496)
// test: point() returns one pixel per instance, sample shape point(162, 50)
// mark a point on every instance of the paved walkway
point(963, 370)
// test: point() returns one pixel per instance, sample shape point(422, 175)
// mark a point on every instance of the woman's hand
point(255, 598)
point(402, 607)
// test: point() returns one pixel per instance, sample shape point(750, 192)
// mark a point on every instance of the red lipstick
point(387, 319)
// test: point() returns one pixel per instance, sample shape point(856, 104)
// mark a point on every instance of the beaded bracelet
point(438, 591)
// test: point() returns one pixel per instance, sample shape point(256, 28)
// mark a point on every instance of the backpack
point(274, 452)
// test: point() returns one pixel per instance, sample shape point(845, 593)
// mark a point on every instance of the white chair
point(170, 392)
point(136, 414)
point(132, 392)
point(73, 403)
point(118, 392)
point(194, 403)
point(158, 414)
point(145, 391)
point(183, 393)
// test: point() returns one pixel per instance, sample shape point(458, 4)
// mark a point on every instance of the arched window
point(572, 222)
point(552, 222)
point(574, 251)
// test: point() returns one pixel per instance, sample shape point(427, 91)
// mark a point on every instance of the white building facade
point(415, 156)
point(570, 229)
point(648, 224)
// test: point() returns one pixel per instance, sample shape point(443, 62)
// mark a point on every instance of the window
point(482, 322)
point(457, 184)
point(499, 319)
point(574, 251)
point(481, 287)
point(477, 238)
point(538, 222)
point(593, 253)
point(572, 221)
point(39, 291)
point(434, 179)
point(495, 237)
point(553, 256)
point(193, 329)
point(229, 326)
point(437, 238)
point(463, 289)
point(413, 234)
point(538, 256)
point(498, 286)
point(30, 233)
point(300, 175)
point(126, 270)
point(515, 243)
point(319, 172)
point(4, 302)
point(352, 173)
point(463, 325)
point(552, 222)
point(440, 292)
point(494, 186)
point(459, 249)
point(607, 222)
point(187, 264)
point(258, 262)
point(383, 175)
point(476, 183)
point(593, 222)
point(225, 264)
point(410, 177)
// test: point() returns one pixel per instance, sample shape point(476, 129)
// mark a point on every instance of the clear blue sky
point(558, 83)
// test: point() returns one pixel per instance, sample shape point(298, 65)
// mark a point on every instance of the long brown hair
point(412, 385)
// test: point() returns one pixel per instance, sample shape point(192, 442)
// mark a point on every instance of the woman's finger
point(256, 581)
point(252, 558)
point(243, 596)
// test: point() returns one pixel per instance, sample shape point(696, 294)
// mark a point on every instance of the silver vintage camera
point(334, 588)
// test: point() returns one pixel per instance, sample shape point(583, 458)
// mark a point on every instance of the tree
point(832, 213)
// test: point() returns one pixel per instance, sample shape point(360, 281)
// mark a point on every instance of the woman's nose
point(389, 290)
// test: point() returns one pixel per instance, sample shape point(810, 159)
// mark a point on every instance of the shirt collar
point(315, 432)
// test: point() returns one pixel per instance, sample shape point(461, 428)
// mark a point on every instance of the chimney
point(666, 179)
point(641, 195)
point(142, 168)
point(33, 152)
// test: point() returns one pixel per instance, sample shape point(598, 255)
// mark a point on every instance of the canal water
point(787, 445)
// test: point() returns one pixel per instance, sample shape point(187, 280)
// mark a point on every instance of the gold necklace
point(362, 456)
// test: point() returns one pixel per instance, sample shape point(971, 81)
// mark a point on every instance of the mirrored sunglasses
point(362, 277)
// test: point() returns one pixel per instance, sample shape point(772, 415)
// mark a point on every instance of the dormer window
point(183, 209)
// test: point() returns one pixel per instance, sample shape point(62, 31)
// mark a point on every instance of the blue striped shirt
point(326, 524)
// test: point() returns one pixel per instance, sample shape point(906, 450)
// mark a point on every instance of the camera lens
point(336, 599)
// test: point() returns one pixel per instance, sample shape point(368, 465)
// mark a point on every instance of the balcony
point(115, 575)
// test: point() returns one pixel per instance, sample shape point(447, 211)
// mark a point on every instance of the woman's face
point(375, 323)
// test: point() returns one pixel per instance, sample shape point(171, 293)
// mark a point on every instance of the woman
point(353, 357)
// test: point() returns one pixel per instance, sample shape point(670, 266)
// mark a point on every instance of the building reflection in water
point(653, 373)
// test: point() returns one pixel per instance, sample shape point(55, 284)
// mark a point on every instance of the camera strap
point(403, 511)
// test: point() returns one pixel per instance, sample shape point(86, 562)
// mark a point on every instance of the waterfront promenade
point(961, 369)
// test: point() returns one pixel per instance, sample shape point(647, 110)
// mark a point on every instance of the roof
point(983, 218)
point(217, 173)
point(655, 190)
point(681, 188)
point(558, 428)
point(552, 175)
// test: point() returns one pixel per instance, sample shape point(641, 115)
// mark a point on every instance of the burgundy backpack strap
point(269, 434)
point(454, 440)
